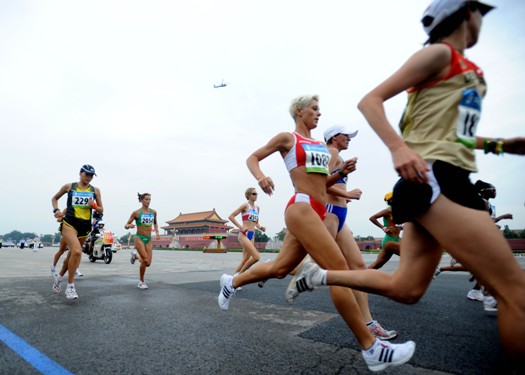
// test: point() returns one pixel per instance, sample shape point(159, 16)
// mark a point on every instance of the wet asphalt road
point(176, 326)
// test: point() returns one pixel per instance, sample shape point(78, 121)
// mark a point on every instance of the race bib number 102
point(317, 158)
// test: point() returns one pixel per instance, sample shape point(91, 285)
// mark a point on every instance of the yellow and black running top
point(77, 202)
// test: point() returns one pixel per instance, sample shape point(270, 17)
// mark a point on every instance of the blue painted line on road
point(35, 358)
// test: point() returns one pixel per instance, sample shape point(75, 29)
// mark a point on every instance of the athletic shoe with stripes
point(227, 291)
point(301, 282)
point(378, 331)
point(71, 293)
point(475, 295)
point(56, 284)
point(133, 257)
point(384, 354)
point(490, 304)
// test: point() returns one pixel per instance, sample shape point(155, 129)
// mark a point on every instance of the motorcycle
point(99, 243)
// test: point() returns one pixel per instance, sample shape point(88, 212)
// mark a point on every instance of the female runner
point(145, 219)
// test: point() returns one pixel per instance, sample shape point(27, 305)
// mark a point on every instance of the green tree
point(507, 233)
point(46, 238)
point(260, 236)
point(124, 239)
point(280, 236)
point(56, 237)
point(16, 236)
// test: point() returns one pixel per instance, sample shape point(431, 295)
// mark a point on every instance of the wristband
point(495, 147)
point(499, 147)
point(56, 209)
point(94, 206)
point(486, 143)
point(342, 174)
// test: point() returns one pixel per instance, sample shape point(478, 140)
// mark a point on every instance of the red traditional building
point(188, 230)
point(197, 223)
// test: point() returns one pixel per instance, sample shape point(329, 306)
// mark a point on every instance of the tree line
point(16, 236)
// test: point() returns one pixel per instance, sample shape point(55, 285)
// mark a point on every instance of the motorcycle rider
point(98, 224)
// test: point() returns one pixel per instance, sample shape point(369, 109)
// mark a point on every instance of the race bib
point(147, 219)
point(469, 113)
point(253, 215)
point(317, 158)
point(79, 199)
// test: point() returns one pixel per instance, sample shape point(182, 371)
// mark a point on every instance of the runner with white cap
point(337, 139)
point(434, 199)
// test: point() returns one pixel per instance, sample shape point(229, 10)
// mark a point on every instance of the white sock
point(70, 285)
point(319, 277)
point(370, 350)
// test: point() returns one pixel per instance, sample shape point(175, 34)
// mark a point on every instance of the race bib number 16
point(469, 113)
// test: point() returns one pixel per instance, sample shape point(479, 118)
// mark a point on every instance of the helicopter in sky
point(222, 84)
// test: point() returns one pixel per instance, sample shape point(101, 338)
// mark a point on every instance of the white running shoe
point(384, 354)
point(378, 331)
point(475, 295)
point(56, 283)
point(301, 282)
point(78, 273)
point(133, 257)
point(142, 285)
point(71, 293)
point(490, 304)
point(227, 291)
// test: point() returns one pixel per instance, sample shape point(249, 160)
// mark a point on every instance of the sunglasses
point(89, 174)
point(255, 193)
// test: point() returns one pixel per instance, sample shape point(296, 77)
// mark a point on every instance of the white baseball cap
point(439, 10)
point(338, 129)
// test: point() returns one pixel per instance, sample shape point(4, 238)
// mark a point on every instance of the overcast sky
point(127, 86)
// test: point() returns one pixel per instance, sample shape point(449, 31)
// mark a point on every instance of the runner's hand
point(410, 165)
point(266, 184)
point(349, 166)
